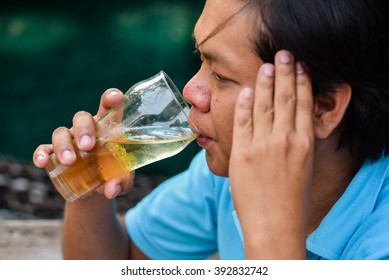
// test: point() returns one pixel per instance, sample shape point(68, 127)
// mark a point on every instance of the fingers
point(84, 131)
point(119, 186)
point(283, 100)
point(82, 134)
point(63, 146)
point(284, 91)
point(41, 155)
point(304, 106)
point(109, 99)
point(263, 103)
point(283, 96)
point(84, 128)
point(243, 118)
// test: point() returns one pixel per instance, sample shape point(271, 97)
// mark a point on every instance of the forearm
point(275, 228)
point(92, 230)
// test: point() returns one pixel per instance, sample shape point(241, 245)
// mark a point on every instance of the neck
point(333, 172)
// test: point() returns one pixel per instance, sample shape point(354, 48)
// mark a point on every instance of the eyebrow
point(207, 55)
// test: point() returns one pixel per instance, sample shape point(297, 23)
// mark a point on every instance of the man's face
point(229, 64)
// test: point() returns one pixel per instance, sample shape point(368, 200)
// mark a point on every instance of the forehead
point(216, 15)
point(228, 50)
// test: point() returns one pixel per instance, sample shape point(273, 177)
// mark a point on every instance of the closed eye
point(214, 75)
point(218, 77)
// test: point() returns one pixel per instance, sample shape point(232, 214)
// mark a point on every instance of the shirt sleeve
point(177, 220)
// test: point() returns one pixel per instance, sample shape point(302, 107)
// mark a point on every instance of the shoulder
point(357, 226)
point(371, 238)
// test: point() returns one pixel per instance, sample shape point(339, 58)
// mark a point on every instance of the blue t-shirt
point(191, 216)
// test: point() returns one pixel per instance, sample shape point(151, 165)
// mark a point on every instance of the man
point(291, 103)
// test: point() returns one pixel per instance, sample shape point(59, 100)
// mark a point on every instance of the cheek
point(224, 121)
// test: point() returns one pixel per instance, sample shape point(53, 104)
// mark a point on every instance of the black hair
point(339, 41)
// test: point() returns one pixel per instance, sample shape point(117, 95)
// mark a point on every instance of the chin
point(217, 166)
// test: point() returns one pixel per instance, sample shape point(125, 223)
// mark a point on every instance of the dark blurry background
point(58, 57)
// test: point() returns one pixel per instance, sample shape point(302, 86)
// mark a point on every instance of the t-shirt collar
point(349, 212)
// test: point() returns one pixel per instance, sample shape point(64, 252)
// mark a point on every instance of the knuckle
point(243, 122)
point(286, 97)
point(302, 80)
point(281, 140)
point(60, 138)
point(247, 156)
point(242, 116)
point(60, 130)
point(261, 149)
point(41, 147)
point(282, 143)
point(304, 105)
point(127, 182)
point(81, 114)
point(265, 108)
point(305, 143)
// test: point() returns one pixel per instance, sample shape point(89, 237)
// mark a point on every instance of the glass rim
point(176, 94)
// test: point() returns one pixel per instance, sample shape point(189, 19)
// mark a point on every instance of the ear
point(330, 109)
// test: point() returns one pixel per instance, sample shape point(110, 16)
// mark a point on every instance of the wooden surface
point(30, 239)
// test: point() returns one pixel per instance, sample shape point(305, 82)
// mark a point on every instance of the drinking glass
point(151, 123)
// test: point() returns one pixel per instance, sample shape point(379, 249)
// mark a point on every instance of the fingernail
point(117, 191)
point(67, 155)
point(285, 57)
point(247, 93)
point(268, 70)
point(113, 93)
point(40, 158)
point(299, 68)
point(85, 140)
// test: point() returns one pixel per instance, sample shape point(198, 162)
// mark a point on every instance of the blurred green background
point(58, 57)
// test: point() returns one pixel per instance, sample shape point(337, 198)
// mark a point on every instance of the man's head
point(343, 44)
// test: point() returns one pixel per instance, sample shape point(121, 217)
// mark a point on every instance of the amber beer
point(115, 157)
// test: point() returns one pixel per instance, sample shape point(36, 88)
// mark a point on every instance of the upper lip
point(194, 129)
point(198, 132)
point(203, 135)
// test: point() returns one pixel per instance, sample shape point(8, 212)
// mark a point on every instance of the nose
point(196, 93)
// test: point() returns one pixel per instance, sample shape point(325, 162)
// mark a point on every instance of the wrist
point(275, 242)
point(95, 202)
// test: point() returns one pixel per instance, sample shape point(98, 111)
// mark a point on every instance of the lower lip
point(203, 141)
